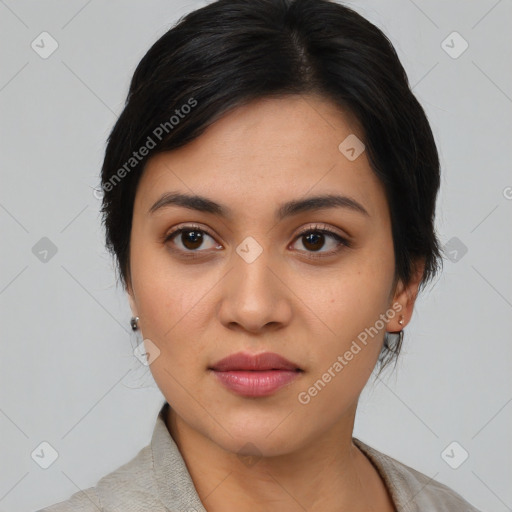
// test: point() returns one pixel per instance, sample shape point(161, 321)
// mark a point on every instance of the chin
point(258, 439)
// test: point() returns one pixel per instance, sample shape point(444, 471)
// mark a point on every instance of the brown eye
point(190, 239)
point(314, 239)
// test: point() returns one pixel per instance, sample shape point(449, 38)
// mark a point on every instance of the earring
point(401, 332)
point(134, 322)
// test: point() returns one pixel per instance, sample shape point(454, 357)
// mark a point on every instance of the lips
point(255, 375)
point(244, 361)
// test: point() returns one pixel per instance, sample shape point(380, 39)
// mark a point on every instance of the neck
point(328, 474)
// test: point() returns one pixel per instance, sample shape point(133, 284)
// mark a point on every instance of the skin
point(197, 311)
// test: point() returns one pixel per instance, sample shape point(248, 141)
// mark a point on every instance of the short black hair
point(230, 52)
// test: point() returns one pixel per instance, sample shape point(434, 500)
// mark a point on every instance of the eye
point(189, 239)
point(314, 239)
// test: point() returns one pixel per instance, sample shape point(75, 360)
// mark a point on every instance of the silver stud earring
point(401, 332)
point(134, 322)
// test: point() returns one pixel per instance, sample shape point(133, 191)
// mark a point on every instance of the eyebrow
point(288, 209)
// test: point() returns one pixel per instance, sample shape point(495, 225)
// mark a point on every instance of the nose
point(254, 296)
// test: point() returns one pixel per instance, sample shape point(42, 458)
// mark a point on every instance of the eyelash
point(343, 242)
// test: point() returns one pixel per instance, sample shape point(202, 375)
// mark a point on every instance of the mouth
point(245, 361)
point(257, 375)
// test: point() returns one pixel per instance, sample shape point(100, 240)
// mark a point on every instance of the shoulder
point(82, 501)
point(411, 490)
point(130, 488)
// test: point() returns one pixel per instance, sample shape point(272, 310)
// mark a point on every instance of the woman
point(269, 197)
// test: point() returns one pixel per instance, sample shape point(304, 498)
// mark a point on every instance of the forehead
point(267, 151)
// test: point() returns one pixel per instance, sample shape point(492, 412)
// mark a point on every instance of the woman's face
point(253, 280)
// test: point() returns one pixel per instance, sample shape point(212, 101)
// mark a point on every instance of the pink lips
point(255, 375)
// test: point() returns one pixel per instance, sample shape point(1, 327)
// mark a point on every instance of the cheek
point(173, 308)
point(345, 356)
point(350, 302)
point(165, 292)
point(358, 291)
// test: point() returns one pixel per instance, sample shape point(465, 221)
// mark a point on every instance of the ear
point(404, 298)
point(131, 297)
point(133, 307)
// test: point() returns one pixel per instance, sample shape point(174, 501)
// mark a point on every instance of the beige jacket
point(157, 480)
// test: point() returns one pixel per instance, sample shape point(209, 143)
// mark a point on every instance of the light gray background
point(68, 374)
